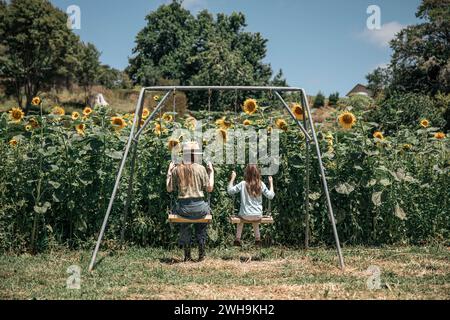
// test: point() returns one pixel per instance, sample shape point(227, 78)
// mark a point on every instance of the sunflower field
point(57, 173)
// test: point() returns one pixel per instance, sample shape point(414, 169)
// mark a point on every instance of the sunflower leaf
point(400, 213)
point(376, 198)
point(345, 188)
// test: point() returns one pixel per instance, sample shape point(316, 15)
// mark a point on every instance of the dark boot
point(187, 254)
point(201, 252)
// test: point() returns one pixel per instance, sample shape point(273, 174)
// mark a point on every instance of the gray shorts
point(191, 208)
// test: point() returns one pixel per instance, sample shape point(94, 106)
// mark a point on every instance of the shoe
point(187, 254)
point(201, 252)
point(237, 243)
point(258, 243)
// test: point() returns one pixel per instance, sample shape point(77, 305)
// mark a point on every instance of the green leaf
point(376, 198)
point(345, 188)
point(400, 213)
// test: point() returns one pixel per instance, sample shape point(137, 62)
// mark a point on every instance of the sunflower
point(407, 147)
point(347, 120)
point(190, 123)
point(80, 129)
point(36, 101)
point(173, 143)
point(439, 135)
point(297, 110)
point(378, 135)
point(247, 123)
point(87, 111)
point(75, 115)
point(156, 98)
point(250, 106)
point(159, 129)
point(281, 124)
point(16, 115)
point(223, 123)
point(28, 127)
point(58, 111)
point(223, 134)
point(118, 123)
point(425, 123)
point(145, 113)
point(13, 142)
point(167, 117)
point(33, 122)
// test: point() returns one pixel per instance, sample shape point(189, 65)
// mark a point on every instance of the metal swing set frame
point(307, 127)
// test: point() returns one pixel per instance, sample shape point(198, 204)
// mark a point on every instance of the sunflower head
point(16, 115)
point(156, 98)
point(33, 122)
point(80, 129)
point(58, 111)
point(118, 123)
point(440, 135)
point(378, 135)
point(173, 143)
point(13, 142)
point(247, 123)
point(167, 117)
point(158, 129)
point(425, 123)
point(250, 106)
point(347, 120)
point(36, 101)
point(87, 111)
point(145, 113)
point(223, 123)
point(297, 110)
point(407, 147)
point(75, 115)
point(28, 127)
point(281, 124)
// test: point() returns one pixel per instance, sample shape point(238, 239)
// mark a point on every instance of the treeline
point(39, 52)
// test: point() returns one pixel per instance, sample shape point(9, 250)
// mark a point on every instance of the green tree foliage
point(88, 69)
point(406, 110)
point(421, 54)
point(37, 47)
point(198, 50)
point(319, 101)
point(333, 99)
point(112, 78)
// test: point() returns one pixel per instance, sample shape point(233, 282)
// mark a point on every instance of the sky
point(319, 44)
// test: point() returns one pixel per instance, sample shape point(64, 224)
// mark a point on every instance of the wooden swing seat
point(264, 220)
point(173, 218)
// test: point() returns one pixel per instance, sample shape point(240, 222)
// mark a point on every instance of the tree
point(201, 50)
point(88, 69)
point(333, 99)
point(37, 47)
point(319, 101)
point(112, 78)
point(279, 80)
point(379, 80)
point(421, 54)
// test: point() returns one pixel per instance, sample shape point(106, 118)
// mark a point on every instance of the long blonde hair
point(252, 177)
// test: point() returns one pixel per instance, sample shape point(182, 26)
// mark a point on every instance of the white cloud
point(194, 5)
point(383, 36)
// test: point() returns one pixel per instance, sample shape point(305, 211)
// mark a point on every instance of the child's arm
point(232, 189)
point(269, 193)
point(169, 182)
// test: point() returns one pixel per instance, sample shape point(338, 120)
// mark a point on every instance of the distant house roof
point(360, 89)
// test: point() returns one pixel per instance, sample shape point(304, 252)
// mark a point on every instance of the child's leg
point(240, 227)
point(256, 230)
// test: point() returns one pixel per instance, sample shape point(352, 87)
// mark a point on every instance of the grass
point(270, 273)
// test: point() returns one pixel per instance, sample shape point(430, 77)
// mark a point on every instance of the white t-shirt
point(250, 206)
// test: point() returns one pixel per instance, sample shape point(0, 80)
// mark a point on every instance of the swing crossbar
point(264, 220)
point(173, 218)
